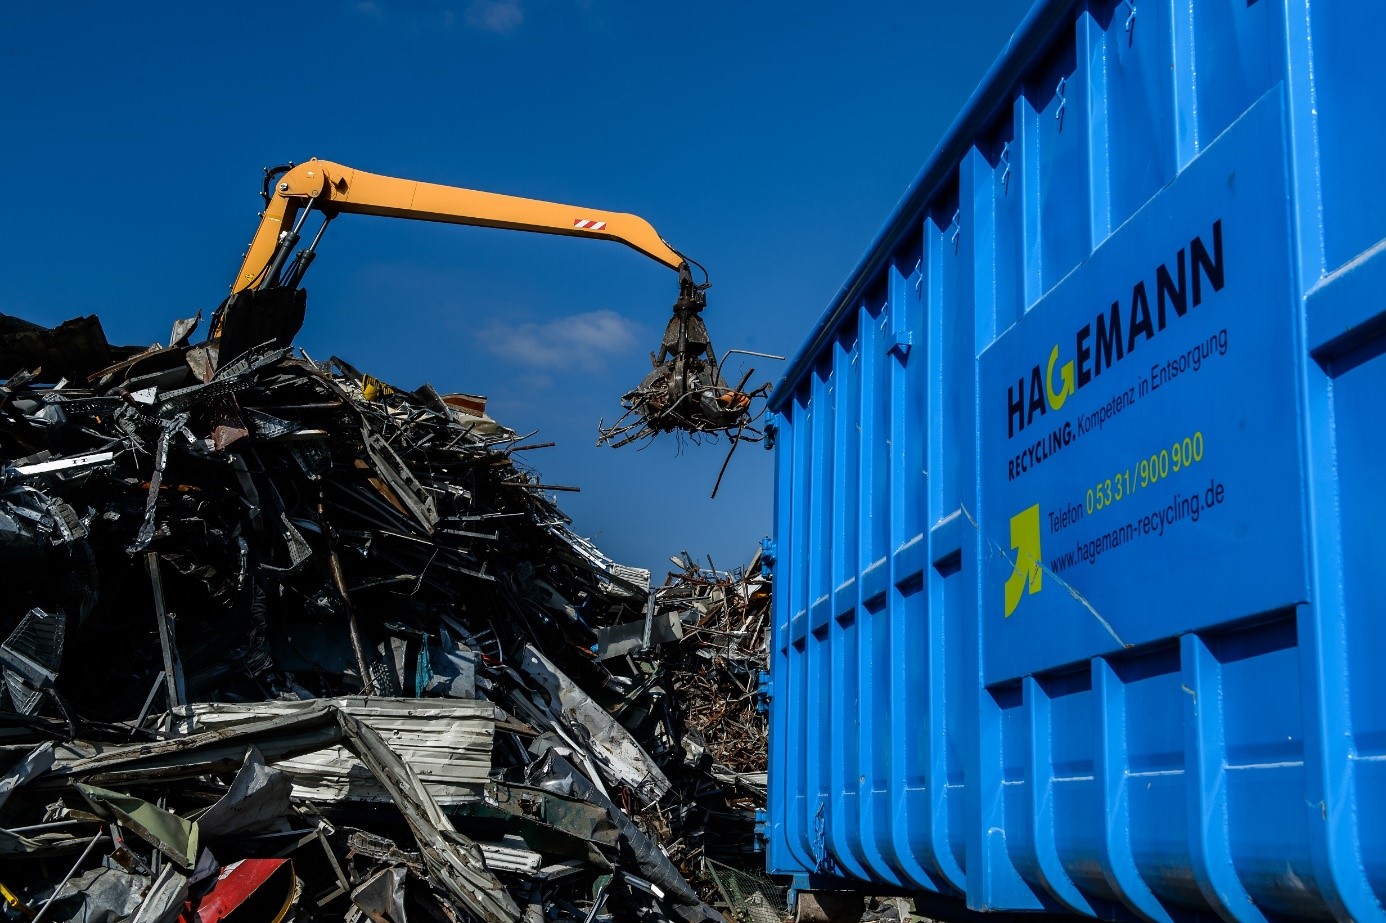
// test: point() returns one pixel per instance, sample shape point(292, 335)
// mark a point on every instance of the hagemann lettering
point(1114, 334)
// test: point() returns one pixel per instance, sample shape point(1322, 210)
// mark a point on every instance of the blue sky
point(766, 140)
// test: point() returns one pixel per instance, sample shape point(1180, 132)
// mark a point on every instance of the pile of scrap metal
point(704, 643)
point(280, 641)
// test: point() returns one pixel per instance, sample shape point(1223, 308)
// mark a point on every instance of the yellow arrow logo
point(1065, 374)
point(1025, 539)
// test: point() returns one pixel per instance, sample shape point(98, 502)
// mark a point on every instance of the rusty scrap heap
point(280, 641)
point(707, 636)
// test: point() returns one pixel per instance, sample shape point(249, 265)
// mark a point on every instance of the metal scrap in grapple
point(685, 391)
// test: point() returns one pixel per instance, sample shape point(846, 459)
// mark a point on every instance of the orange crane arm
point(334, 189)
point(684, 391)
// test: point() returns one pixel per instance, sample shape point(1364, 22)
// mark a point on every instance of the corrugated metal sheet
point(446, 741)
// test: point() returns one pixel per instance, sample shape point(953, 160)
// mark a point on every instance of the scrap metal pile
point(281, 641)
point(708, 635)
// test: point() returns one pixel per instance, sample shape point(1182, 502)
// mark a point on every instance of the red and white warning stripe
point(587, 224)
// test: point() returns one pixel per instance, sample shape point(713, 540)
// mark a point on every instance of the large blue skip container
point(1080, 537)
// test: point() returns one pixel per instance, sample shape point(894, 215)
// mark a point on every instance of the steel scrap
point(705, 642)
point(283, 641)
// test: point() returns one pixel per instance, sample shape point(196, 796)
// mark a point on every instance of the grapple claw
point(684, 391)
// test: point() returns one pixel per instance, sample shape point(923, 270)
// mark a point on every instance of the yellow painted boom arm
point(334, 189)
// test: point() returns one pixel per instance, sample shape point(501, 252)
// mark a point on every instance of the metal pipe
point(748, 352)
point(91, 844)
point(55, 825)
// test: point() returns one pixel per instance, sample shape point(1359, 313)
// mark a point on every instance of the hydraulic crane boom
point(334, 189)
point(684, 391)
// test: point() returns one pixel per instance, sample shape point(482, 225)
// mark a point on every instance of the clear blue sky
point(767, 140)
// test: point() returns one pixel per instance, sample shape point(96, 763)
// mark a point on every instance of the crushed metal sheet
point(172, 835)
point(556, 774)
point(217, 750)
point(447, 743)
point(454, 862)
point(381, 896)
point(620, 640)
point(620, 757)
point(165, 899)
point(258, 798)
point(39, 761)
point(102, 895)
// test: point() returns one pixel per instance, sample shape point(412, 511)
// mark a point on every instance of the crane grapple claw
point(684, 391)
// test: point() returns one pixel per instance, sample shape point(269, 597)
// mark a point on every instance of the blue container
point(1080, 597)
